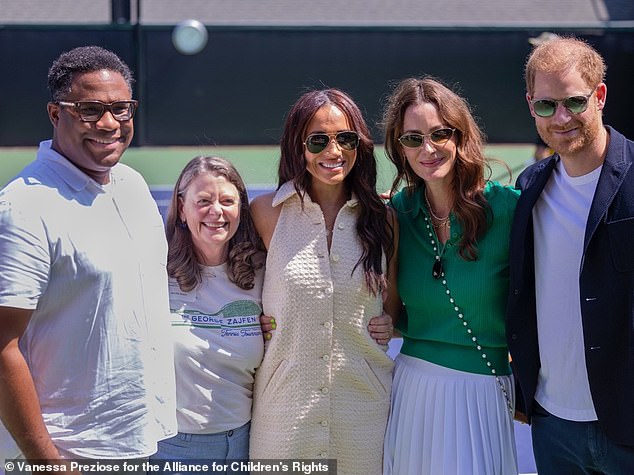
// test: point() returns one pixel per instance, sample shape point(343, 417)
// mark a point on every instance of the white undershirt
point(560, 217)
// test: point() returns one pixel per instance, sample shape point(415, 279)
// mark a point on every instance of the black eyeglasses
point(573, 104)
point(92, 111)
point(347, 140)
point(415, 140)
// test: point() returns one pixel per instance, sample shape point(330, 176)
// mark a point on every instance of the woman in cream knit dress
point(323, 389)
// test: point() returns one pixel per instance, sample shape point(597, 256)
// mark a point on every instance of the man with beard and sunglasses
point(84, 371)
point(570, 315)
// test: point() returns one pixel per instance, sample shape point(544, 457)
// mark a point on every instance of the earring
point(182, 225)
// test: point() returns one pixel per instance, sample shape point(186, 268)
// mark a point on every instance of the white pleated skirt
point(448, 422)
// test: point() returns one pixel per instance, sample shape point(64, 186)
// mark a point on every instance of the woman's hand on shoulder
point(267, 323)
point(387, 195)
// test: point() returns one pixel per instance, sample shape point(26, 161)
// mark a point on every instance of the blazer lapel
point(612, 175)
point(531, 189)
point(522, 230)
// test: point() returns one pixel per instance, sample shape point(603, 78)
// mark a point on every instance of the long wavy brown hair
point(373, 229)
point(470, 206)
point(246, 252)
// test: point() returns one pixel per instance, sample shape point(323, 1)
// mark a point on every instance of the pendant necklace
point(437, 269)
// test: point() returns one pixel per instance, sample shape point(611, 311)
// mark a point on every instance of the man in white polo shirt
point(84, 371)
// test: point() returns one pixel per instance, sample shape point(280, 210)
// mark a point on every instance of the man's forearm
point(20, 408)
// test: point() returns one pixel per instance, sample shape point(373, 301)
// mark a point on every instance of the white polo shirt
point(89, 260)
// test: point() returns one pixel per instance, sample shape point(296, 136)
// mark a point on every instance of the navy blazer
point(606, 284)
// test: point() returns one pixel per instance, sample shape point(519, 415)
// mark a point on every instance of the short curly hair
point(84, 59)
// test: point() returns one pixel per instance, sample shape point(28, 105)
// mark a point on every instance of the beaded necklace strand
point(439, 273)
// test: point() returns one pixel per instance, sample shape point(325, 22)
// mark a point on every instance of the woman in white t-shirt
point(215, 264)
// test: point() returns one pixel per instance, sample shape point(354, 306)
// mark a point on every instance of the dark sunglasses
point(92, 111)
point(415, 140)
point(347, 140)
point(573, 104)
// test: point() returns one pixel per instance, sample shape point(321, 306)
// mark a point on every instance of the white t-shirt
point(89, 260)
point(217, 347)
point(560, 217)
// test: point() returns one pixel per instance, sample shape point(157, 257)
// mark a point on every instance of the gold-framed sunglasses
point(437, 137)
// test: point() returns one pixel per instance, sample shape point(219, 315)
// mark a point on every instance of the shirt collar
point(65, 169)
point(287, 190)
point(418, 200)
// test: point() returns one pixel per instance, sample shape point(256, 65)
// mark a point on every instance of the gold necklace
point(441, 221)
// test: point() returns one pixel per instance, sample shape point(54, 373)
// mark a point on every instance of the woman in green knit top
point(452, 397)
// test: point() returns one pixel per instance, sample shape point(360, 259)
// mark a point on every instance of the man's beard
point(588, 133)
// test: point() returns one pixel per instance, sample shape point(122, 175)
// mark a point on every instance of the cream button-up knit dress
point(323, 389)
